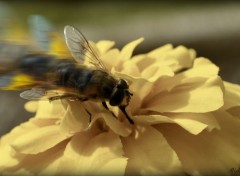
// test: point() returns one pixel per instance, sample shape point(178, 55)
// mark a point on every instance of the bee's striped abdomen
point(71, 76)
point(93, 84)
point(37, 65)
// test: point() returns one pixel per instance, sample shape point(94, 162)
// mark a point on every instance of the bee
point(82, 77)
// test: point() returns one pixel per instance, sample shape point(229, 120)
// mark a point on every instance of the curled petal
point(204, 97)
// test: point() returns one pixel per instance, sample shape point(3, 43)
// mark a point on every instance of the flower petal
point(9, 157)
point(129, 68)
point(110, 58)
point(143, 61)
point(202, 67)
point(235, 112)
point(200, 71)
point(184, 57)
point(46, 109)
point(149, 153)
point(220, 148)
point(127, 50)
point(177, 58)
point(192, 122)
point(89, 153)
point(45, 163)
point(7, 160)
point(195, 123)
point(154, 72)
point(151, 119)
point(160, 51)
point(104, 45)
point(34, 141)
point(232, 95)
point(31, 106)
point(75, 119)
point(115, 125)
point(204, 97)
point(140, 88)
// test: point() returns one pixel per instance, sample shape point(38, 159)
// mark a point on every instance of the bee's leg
point(123, 109)
point(90, 115)
point(106, 107)
point(56, 98)
point(71, 97)
point(83, 99)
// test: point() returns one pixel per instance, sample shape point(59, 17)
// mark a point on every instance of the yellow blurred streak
point(58, 46)
point(20, 81)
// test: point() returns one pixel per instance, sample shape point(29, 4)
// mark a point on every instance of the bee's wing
point(39, 93)
point(46, 38)
point(34, 94)
point(10, 52)
point(17, 81)
point(80, 48)
point(40, 29)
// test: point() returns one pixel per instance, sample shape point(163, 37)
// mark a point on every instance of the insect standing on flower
point(83, 77)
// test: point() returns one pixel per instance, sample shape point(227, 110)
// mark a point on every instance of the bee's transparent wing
point(34, 94)
point(39, 93)
point(80, 48)
point(40, 29)
point(10, 52)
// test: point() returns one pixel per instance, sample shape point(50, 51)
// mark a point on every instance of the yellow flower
point(186, 121)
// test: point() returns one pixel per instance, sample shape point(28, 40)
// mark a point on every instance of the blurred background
point(212, 28)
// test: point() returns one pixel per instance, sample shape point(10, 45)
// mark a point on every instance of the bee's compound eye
point(122, 84)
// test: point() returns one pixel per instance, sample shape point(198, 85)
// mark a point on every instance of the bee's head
point(120, 95)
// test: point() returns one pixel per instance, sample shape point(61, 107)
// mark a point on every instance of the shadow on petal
point(208, 153)
point(149, 153)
